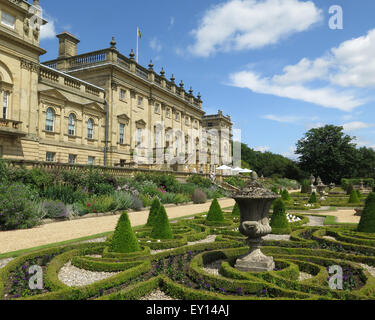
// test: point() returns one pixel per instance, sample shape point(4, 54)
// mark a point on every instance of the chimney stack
point(67, 45)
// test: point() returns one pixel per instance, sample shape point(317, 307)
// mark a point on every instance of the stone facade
point(97, 108)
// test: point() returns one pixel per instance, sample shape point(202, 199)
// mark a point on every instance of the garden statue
point(312, 187)
point(254, 176)
point(254, 202)
point(321, 187)
point(362, 187)
point(332, 186)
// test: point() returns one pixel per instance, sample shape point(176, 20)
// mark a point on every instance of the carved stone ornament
point(29, 65)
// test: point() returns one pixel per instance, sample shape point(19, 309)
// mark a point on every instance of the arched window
point(50, 119)
point(72, 125)
point(90, 129)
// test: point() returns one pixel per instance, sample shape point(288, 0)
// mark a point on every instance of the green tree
point(367, 222)
point(155, 206)
point(327, 152)
point(215, 213)
point(124, 239)
point(285, 195)
point(162, 228)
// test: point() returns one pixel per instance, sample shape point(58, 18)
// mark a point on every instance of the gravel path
point(209, 239)
point(370, 269)
point(277, 237)
point(67, 230)
point(213, 268)
point(157, 295)
point(75, 277)
point(4, 262)
point(315, 221)
point(304, 276)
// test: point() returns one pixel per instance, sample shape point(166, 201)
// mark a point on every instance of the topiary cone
point(354, 197)
point(162, 229)
point(215, 213)
point(124, 239)
point(236, 210)
point(313, 198)
point(279, 221)
point(155, 206)
point(367, 222)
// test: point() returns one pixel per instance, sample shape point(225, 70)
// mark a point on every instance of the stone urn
point(254, 202)
point(321, 187)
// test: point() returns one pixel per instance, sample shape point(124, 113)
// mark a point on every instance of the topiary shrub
point(367, 223)
point(285, 195)
point(199, 196)
point(305, 186)
point(349, 189)
point(155, 207)
point(236, 210)
point(279, 221)
point(124, 239)
point(313, 198)
point(354, 197)
point(359, 194)
point(162, 229)
point(215, 213)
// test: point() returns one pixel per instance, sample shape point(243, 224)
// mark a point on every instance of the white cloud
point(251, 24)
point(262, 148)
point(283, 119)
point(48, 30)
point(156, 45)
point(171, 22)
point(357, 125)
point(326, 96)
point(291, 154)
point(333, 80)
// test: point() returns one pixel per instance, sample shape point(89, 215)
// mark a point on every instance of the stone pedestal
point(255, 261)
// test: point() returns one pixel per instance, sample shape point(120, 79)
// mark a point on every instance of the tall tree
point(328, 152)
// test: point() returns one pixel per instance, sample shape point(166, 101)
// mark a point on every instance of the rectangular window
point(156, 139)
point(5, 105)
point(50, 156)
point(139, 137)
point(122, 163)
point(140, 102)
point(91, 161)
point(167, 113)
point(187, 121)
point(8, 20)
point(122, 133)
point(210, 125)
point(177, 116)
point(72, 159)
point(157, 108)
point(122, 94)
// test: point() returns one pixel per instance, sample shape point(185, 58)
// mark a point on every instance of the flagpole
point(137, 42)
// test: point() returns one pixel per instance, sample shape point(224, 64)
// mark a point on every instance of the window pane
point(49, 119)
point(122, 133)
point(5, 105)
point(7, 19)
point(90, 129)
point(50, 157)
point(72, 125)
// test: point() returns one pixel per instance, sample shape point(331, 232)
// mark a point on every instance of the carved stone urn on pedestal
point(255, 202)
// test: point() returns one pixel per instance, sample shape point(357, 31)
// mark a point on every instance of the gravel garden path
point(342, 215)
point(67, 230)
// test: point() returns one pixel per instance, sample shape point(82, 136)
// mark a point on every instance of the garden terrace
point(205, 270)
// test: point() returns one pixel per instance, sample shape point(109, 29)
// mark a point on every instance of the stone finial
point(162, 72)
point(132, 54)
point(113, 43)
point(173, 79)
point(199, 96)
point(151, 66)
point(36, 3)
point(181, 84)
point(191, 91)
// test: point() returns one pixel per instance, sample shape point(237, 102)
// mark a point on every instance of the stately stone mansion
point(99, 108)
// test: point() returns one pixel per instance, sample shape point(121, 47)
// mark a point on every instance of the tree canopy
point(331, 154)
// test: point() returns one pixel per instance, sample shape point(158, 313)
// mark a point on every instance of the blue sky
point(274, 65)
